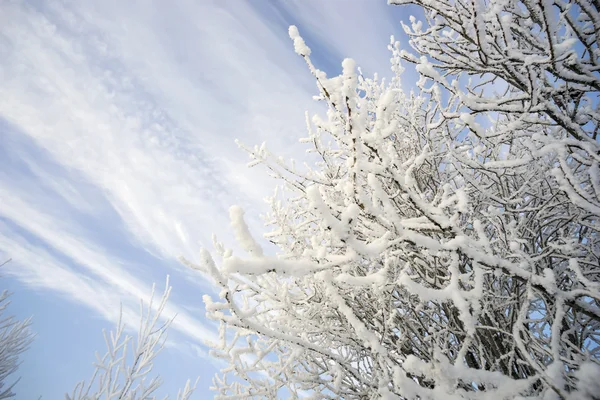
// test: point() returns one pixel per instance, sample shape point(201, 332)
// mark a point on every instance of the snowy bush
point(123, 372)
point(15, 338)
point(445, 246)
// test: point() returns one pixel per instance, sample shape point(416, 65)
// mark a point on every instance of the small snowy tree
point(15, 338)
point(123, 373)
point(445, 245)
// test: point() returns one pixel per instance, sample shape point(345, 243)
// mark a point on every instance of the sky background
point(117, 128)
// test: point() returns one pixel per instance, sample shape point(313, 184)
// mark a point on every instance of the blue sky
point(117, 128)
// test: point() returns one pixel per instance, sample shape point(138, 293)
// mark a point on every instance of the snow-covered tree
point(445, 245)
point(124, 372)
point(15, 338)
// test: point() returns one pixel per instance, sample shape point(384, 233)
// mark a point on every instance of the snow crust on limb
point(445, 245)
point(242, 233)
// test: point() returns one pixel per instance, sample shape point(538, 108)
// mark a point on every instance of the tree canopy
point(445, 246)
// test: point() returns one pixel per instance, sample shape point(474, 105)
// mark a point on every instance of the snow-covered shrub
point(445, 246)
point(124, 371)
point(15, 338)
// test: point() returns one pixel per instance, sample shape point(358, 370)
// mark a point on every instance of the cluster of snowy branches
point(124, 371)
point(15, 338)
point(445, 245)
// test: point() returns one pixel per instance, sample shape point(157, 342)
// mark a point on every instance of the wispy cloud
point(101, 281)
point(152, 141)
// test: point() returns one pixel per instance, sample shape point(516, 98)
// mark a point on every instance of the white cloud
point(101, 282)
point(165, 160)
point(35, 266)
point(119, 110)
